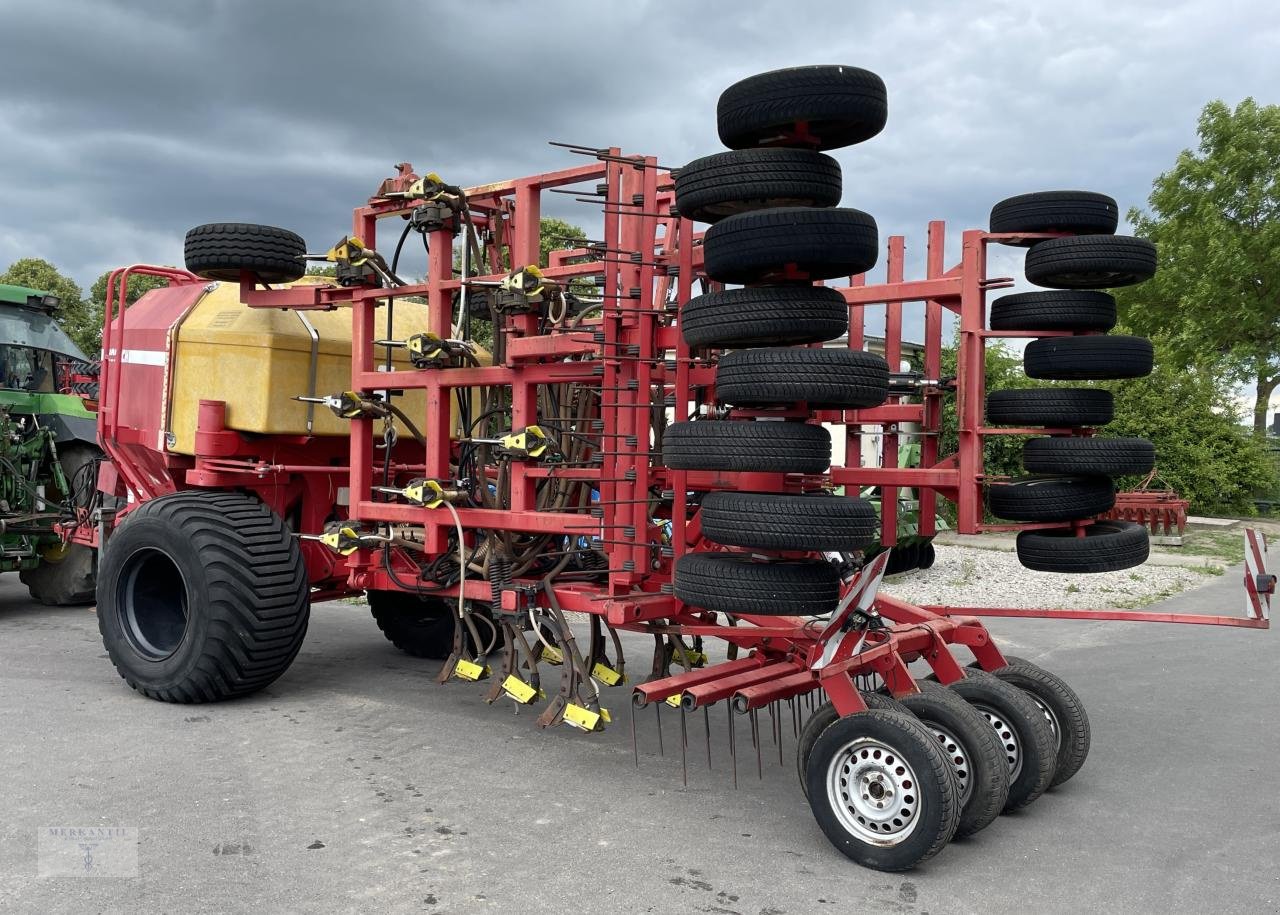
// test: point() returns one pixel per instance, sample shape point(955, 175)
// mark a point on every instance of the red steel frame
point(633, 349)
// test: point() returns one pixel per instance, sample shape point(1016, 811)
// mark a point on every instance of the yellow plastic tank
point(258, 359)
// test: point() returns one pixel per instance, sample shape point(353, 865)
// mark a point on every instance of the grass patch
point(1223, 545)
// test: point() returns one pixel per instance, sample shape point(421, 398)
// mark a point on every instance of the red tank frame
point(633, 349)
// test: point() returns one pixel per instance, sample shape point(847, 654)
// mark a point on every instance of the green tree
point(74, 313)
point(1215, 219)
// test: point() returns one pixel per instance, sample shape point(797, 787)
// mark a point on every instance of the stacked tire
point(1072, 476)
point(776, 228)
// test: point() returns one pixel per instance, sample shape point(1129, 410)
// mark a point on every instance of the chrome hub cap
point(873, 792)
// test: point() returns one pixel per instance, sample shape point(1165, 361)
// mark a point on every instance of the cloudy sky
point(125, 122)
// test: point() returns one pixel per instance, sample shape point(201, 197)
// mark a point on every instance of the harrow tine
point(755, 739)
point(795, 718)
point(635, 746)
point(684, 747)
point(780, 737)
point(657, 707)
point(733, 746)
point(706, 720)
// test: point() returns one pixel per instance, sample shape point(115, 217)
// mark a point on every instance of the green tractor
point(48, 449)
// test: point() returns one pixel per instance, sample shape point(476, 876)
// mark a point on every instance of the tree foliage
point(74, 312)
point(1215, 219)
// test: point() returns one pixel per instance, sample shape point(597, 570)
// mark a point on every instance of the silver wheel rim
point(1008, 739)
point(874, 792)
point(954, 750)
point(1052, 719)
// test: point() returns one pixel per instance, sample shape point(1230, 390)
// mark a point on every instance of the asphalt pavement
point(357, 784)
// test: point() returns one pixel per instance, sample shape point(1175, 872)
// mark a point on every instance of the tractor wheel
point(1064, 407)
point(202, 595)
point(765, 316)
point(1022, 729)
point(927, 555)
point(1090, 262)
point(422, 627)
point(733, 583)
point(792, 242)
point(1090, 358)
point(771, 521)
point(824, 378)
point(882, 791)
point(825, 716)
point(1093, 456)
point(837, 106)
point(1054, 309)
point(713, 187)
point(1051, 498)
point(747, 446)
point(67, 573)
point(1107, 546)
point(1061, 706)
point(220, 250)
point(1079, 212)
point(973, 749)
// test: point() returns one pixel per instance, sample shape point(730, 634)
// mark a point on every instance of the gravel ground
point(992, 578)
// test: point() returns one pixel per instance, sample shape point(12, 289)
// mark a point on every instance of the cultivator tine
point(733, 746)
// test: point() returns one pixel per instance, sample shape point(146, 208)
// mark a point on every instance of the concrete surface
point(357, 784)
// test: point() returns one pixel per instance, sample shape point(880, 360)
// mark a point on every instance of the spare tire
point(1109, 456)
point(836, 105)
point(792, 243)
point(1052, 498)
point(750, 445)
point(221, 250)
point(771, 521)
point(1107, 546)
point(1088, 358)
point(1059, 309)
point(1078, 212)
point(1065, 407)
point(1090, 262)
point(713, 187)
point(834, 378)
point(734, 583)
point(765, 315)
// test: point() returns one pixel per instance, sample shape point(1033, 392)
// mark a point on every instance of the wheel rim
point(958, 757)
point(151, 601)
point(1008, 737)
point(1052, 719)
point(874, 792)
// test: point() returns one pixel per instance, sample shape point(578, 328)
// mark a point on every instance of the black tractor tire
point(903, 755)
point(749, 445)
point(1090, 262)
point(733, 583)
point(1107, 546)
point(1054, 309)
point(220, 250)
point(1054, 407)
point(1022, 730)
point(1060, 704)
point(927, 555)
point(765, 316)
point(67, 575)
point(838, 105)
point(824, 378)
point(422, 627)
point(713, 187)
point(825, 716)
point(1112, 457)
point(1091, 358)
point(971, 746)
point(1078, 212)
point(1051, 498)
point(903, 557)
point(795, 243)
point(770, 521)
point(202, 596)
